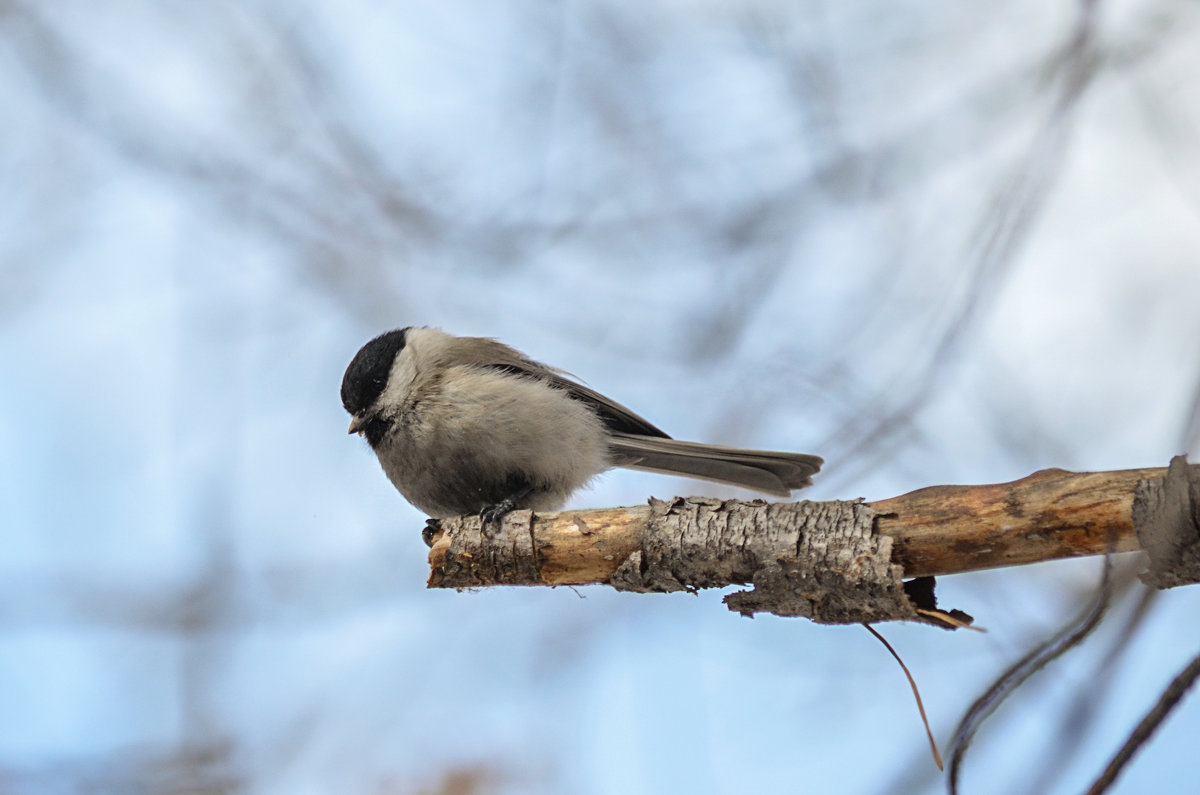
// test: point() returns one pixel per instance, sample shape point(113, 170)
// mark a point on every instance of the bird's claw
point(494, 514)
point(432, 527)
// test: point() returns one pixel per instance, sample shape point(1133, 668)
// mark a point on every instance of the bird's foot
point(494, 514)
point(432, 528)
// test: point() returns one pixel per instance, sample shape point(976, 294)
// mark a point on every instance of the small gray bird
point(468, 425)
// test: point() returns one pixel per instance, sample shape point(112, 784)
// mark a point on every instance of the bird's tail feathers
point(760, 470)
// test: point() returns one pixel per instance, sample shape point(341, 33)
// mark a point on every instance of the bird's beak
point(356, 424)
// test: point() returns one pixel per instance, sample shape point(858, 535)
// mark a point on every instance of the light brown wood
point(1047, 515)
point(938, 530)
point(587, 546)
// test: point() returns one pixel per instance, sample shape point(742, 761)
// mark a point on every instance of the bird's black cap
point(367, 374)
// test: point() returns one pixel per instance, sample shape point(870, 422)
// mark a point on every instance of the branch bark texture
point(834, 561)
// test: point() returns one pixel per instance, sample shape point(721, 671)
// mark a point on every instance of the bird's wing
point(492, 354)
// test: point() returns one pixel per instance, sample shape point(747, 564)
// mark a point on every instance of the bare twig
point(1149, 724)
point(937, 756)
point(1019, 672)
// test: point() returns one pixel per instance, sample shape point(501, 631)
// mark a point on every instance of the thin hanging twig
point(937, 756)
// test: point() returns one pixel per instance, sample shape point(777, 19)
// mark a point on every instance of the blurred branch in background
point(282, 161)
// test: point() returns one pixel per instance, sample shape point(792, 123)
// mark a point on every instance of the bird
point(469, 425)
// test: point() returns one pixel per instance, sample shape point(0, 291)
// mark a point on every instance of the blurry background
point(932, 242)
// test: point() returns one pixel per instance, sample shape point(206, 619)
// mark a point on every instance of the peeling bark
point(835, 561)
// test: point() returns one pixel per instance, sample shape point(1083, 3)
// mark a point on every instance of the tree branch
point(699, 542)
